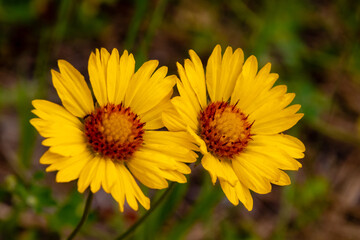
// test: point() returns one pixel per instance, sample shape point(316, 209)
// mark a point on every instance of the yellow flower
point(109, 143)
point(237, 117)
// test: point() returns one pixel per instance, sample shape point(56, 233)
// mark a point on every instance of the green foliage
point(17, 11)
point(156, 223)
point(35, 196)
point(310, 199)
point(27, 132)
point(200, 210)
point(68, 212)
point(313, 102)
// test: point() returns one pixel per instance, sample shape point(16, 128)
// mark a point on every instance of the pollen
point(225, 129)
point(114, 131)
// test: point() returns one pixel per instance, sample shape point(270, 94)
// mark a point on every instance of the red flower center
point(114, 131)
point(225, 129)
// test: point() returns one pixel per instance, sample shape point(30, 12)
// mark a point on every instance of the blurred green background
point(313, 45)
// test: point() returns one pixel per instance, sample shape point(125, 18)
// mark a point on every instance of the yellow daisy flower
point(237, 117)
point(109, 143)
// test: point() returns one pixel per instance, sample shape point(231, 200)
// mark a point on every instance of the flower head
point(237, 117)
point(108, 143)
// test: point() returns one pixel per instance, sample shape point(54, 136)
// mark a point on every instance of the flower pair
point(232, 114)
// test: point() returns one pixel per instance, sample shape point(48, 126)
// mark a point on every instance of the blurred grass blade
point(64, 15)
point(156, 221)
point(141, 6)
point(27, 132)
point(154, 24)
point(208, 198)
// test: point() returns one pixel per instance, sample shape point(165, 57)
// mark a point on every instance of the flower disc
point(225, 129)
point(114, 131)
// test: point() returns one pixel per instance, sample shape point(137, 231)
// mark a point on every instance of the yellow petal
point(293, 143)
point(71, 75)
point(249, 90)
point(222, 73)
point(153, 118)
point(275, 157)
point(132, 190)
point(244, 196)
point(110, 175)
point(138, 80)
point(195, 73)
point(68, 161)
point(189, 117)
point(260, 164)
point(198, 141)
point(72, 90)
point(188, 96)
point(63, 136)
point(69, 149)
point(97, 67)
point(271, 103)
point(50, 158)
point(231, 67)
point(172, 120)
point(152, 92)
point(177, 146)
point(171, 151)
point(72, 171)
point(118, 190)
point(219, 169)
point(174, 176)
point(229, 192)
point(127, 68)
point(180, 139)
point(213, 73)
point(252, 93)
point(283, 113)
point(277, 126)
point(147, 175)
point(87, 174)
point(54, 113)
point(113, 77)
point(236, 193)
point(153, 97)
point(250, 68)
point(186, 90)
point(280, 149)
point(157, 160)
point(246, 89)
point(59, 129)
point(99, 175)
point(249, 177)
point(283, 180)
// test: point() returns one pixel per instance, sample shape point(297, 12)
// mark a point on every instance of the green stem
point(147, 214)
point(84, 216)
